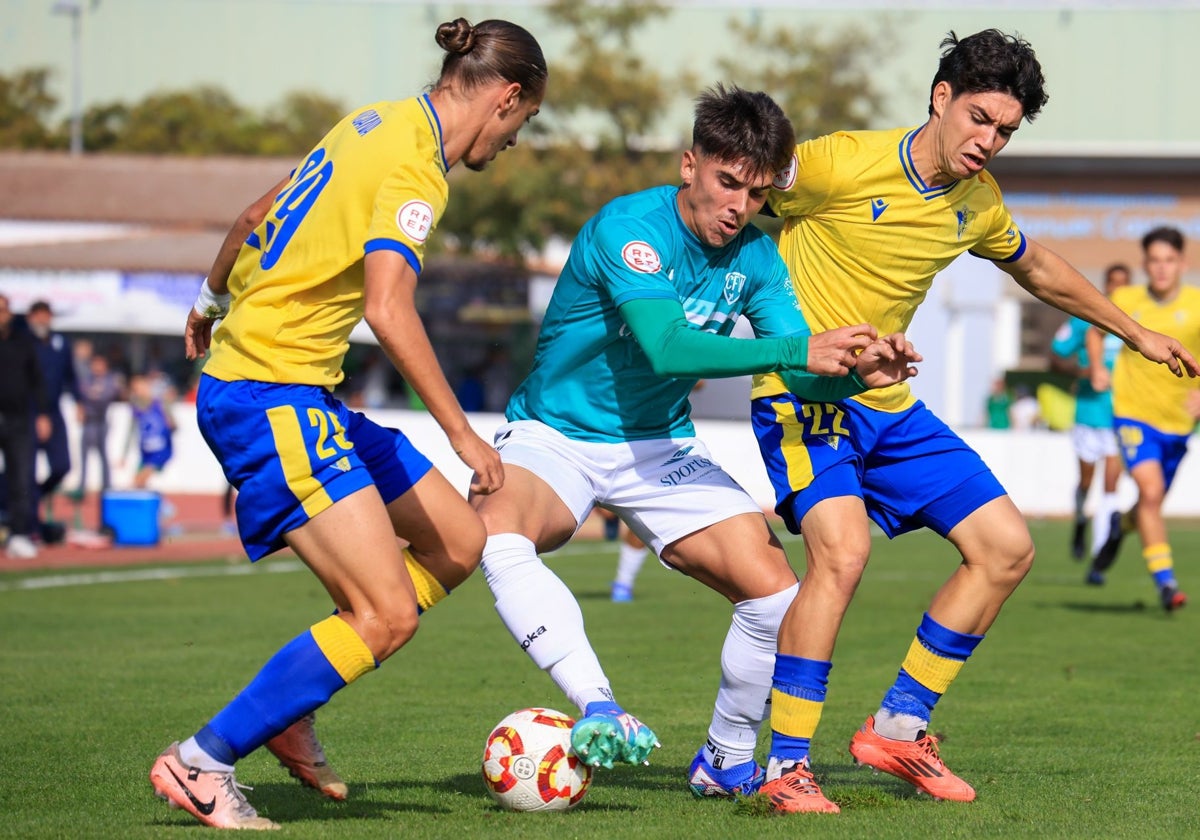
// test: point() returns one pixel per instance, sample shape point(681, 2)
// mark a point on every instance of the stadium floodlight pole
point(74, 8)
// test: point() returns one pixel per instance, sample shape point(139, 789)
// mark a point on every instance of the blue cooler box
point(132, 515)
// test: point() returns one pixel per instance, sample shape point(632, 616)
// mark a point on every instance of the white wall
point(1037, 468)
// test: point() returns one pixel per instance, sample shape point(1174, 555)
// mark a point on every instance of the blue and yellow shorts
point(293, 450)
point(908, 467)
point(1140, 442)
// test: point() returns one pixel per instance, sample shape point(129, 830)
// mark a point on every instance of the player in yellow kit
point(1153, 413)
point(342, 239)
point(870, 217)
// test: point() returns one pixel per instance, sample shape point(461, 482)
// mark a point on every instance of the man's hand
point(481, 457)
point(43, 427)
point(1168, 351)
point(833, 352)
point(888, 360)
point(1100, 378)
point(197, 335)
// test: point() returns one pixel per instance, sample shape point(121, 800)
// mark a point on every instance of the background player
point(1092, 435)
point(870, 217)
point(341, 239)
point(1154, 414)
point(643, 308)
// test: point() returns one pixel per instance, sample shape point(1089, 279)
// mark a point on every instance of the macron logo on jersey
point(415, 219)
point(641, 257)
point(878, 205)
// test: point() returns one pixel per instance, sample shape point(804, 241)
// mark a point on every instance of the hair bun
point(457, 36)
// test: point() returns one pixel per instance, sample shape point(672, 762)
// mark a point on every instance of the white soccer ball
point(528, 764)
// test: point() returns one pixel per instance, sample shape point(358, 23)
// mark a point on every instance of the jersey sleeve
point(1070, 338)
point(408, 206)
point(773, 310)
point(808, 180)
point(1002, 240)
point(626, 257)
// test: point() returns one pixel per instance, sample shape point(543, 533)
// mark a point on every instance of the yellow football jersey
point(376, 181)
point(864, 236)
point(1149, 392)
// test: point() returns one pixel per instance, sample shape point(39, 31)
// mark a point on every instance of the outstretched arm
point(1049, 278)
point(675, 350)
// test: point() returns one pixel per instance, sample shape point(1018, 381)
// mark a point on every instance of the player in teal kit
point(643, 309)
point(1092, 436)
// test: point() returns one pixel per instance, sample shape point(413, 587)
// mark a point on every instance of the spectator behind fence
point(23, 404)
point(58, 375)
point(98, 389)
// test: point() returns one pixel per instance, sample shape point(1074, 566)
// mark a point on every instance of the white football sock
point(899, 727)
point(543, 617)
point(1105, 508)
point(747, 665)
point(629, 563)
point(193, 756)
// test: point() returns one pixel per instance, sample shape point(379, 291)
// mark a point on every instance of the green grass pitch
point(1075, 718)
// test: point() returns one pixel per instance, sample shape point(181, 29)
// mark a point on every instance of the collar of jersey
point(435, 125)
point(910, 169)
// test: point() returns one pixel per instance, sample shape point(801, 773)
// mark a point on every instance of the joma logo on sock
point(532, 636)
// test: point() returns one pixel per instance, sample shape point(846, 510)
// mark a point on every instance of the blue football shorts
point(1140, 442)
point(293, 450)
point(908, 467)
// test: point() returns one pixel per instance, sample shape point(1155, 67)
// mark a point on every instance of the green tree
point(25, 105)
point(297, 124)
point(823, 84)
point(200, 121)
point(589, 146)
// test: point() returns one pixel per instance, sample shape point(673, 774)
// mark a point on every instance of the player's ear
point(510, 98)
point(942, 94)
point(687, 167)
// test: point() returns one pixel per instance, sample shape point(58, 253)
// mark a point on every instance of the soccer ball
point(528, 764)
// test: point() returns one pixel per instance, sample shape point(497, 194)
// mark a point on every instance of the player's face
point(1164, 269)
point(971, 129)
point(510, 115)
point(718, 198)
point(1115, 280)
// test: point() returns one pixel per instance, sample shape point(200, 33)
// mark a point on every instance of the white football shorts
point(1093, 443)
point(663, 489)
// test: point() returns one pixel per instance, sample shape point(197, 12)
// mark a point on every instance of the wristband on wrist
point(209, 304)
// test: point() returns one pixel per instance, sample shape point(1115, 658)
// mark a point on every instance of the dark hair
point(1114, 268)
point(39, 306)
point(1171, 236)
point(494, 50)
point(735, 125)
point(991, 61)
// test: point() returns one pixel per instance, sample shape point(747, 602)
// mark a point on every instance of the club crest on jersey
point(641, 257)
point(965, 216)
point(786, 179)
point(415, 219)
point(734, 281)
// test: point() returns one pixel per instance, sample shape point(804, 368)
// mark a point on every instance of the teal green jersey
point(590, 378)
point(1092, 407)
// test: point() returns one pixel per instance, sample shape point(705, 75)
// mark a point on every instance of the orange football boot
point(916, 762)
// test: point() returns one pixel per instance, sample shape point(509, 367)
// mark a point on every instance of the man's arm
point(198, 332)
point(1049, 278)
point(390, 310)
point(677, 351)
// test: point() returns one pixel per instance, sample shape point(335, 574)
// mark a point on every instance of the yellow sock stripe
point(346, 652)
point(794, 716)
point(930, 670)
point(429, 590)
point(293, 457)
point(1158, 557)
